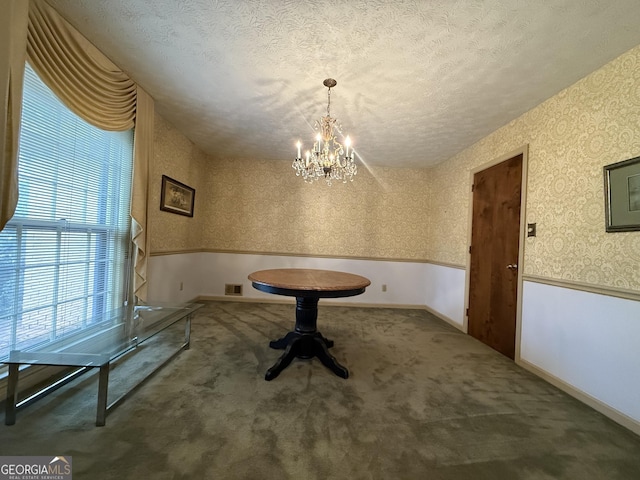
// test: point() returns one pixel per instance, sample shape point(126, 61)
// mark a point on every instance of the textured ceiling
point(418, 81)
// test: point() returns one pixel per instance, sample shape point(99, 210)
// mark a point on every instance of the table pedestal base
point(305, 342)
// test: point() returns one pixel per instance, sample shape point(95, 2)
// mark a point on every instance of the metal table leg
point(187, 333)
point(12, 395)
point(103, 384)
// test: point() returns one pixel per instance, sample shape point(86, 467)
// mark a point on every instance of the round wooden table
point(308, 286)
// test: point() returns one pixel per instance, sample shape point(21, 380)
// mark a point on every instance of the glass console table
point(118, 333)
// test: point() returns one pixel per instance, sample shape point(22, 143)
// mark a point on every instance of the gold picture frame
point(176, 197)
point(622, 196)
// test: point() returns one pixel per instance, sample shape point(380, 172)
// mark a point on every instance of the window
point(64, 254)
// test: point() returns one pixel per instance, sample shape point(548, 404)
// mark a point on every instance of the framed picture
point(622, 196)
point(176, 197)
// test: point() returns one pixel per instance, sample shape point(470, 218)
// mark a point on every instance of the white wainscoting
point(173, 278)
point(205, 275)
point(444, 292)
point(587, 344)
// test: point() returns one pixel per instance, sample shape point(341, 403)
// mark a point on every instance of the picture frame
point(622, 196)
point(176, 197)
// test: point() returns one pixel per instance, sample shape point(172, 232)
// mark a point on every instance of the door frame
point(524, 151)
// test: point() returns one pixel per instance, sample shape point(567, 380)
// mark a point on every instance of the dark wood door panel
point(494, 246)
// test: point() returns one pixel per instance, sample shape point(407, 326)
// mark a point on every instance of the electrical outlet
point(384, 287)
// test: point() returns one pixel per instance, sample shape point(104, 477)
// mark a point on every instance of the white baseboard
point(290, 300)
point(585, 398)
point(450, 321)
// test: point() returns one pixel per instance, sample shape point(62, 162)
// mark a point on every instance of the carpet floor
point(423, 401)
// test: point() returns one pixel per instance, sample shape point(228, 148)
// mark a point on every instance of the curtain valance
point(80, 75)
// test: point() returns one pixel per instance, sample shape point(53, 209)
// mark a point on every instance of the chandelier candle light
point(329, 159)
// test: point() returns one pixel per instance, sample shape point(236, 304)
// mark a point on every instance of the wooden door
point(493, 274)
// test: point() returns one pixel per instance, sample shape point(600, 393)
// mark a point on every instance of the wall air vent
point(233, 289)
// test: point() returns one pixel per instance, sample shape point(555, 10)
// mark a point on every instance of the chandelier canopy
point(329, 158)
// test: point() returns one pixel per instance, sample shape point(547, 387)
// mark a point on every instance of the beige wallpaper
point(571, 137)
point(381, 214)
point(178, 158)
point(423, 214)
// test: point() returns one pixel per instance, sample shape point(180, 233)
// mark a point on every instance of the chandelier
point(328, 159)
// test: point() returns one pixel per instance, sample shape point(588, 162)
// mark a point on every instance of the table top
point(323, 282)
point(118, 332)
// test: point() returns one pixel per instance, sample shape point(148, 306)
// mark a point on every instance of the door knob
point(512, 266)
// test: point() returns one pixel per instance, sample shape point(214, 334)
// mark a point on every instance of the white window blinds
point(64, 254)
